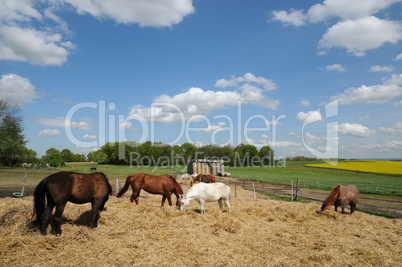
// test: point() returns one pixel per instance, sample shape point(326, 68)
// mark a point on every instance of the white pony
point(206, 192)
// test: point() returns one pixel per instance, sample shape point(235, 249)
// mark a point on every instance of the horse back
point(350, 194)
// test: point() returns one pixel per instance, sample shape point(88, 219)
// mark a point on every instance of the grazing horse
point(203, 178)
point(342, 196)
point(92, 169)
point(61, 187)
point(163, 185)
point(206, 192)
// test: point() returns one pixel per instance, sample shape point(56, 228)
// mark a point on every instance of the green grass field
point(309, 177)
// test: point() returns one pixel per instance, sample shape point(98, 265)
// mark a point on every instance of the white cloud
point(357, 29)
point(343, 9)
point(49, 132)
point(309, 117)
point(153, 13)
point(246, 79)
point(358, 36)
point(346, 9)
point(196, 101)
point(26, 34)
point(398, 103)
point(62, 122)
point(398, 57)
point(294, 17)
point(378, 94)
point(305, 103)
point(378, 68)
point(89, 137)
point(17, 89)
point(336, 67)
point(357, 130)
point(394, 129)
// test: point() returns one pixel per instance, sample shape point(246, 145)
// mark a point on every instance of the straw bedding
point(258, 232)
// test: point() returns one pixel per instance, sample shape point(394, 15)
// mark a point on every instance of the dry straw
point(258, 232)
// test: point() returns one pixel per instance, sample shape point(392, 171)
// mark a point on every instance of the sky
point(314, 78)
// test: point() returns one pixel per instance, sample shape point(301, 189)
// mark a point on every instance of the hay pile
point(257, 232)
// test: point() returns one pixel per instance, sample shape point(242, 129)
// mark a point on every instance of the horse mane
point(177, 184)
point(332, 197)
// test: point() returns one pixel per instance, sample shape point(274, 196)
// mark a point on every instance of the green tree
point(12, 139)
point(188, 150)
point(266, 155)
point(67, 155)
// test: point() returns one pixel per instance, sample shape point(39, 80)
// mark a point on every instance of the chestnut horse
point(163, 185)
point(203, 178)
point(342, 196)
point(61, 187)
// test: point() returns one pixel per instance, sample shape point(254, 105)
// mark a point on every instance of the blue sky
point(313, 78)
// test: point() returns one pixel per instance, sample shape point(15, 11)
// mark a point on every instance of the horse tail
point(125, 187)
point(39, 200)
point(109, 187)
point(332, 197)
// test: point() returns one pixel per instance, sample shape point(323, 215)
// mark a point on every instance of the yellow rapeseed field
point(373, 166)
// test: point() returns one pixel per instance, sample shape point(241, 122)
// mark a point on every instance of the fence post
point(254, 190)
point(297, 188)
point(291, 199)
point(117, 186)
point(235, 189)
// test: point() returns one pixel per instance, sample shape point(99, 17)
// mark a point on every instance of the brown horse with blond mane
point(203, 178)
point(342, 196)
point(163, 185)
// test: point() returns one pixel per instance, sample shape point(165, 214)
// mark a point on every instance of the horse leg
point(202, 206)
point(57, 217)
point(343, 210)
point(45, 217)
point(220, 204)
point(227, 203)
point(352, 208)
point(169, 198)
point(163, 200)
point(135, 196)
point(95, 213)
point(336, 207)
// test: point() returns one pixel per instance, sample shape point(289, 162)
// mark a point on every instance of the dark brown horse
point(163, 185)
point(59, 188)
point(203, 178)
point(342, 196)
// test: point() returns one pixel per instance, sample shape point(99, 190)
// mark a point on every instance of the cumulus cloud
point(336, 67)
point(196, 101)
point(153, 13)
point(49, 132)
point(394, 129)
point(357, 130)
point(378, 94)
point(293, 17)
point(309, 117)
point(358, 36)
point(34, 33)
point(378, 68)
point(357, 29)
point(62, 122)
point(30, 45)
point(17, 89)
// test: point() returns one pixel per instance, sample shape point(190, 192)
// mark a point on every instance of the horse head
point(183, 202)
